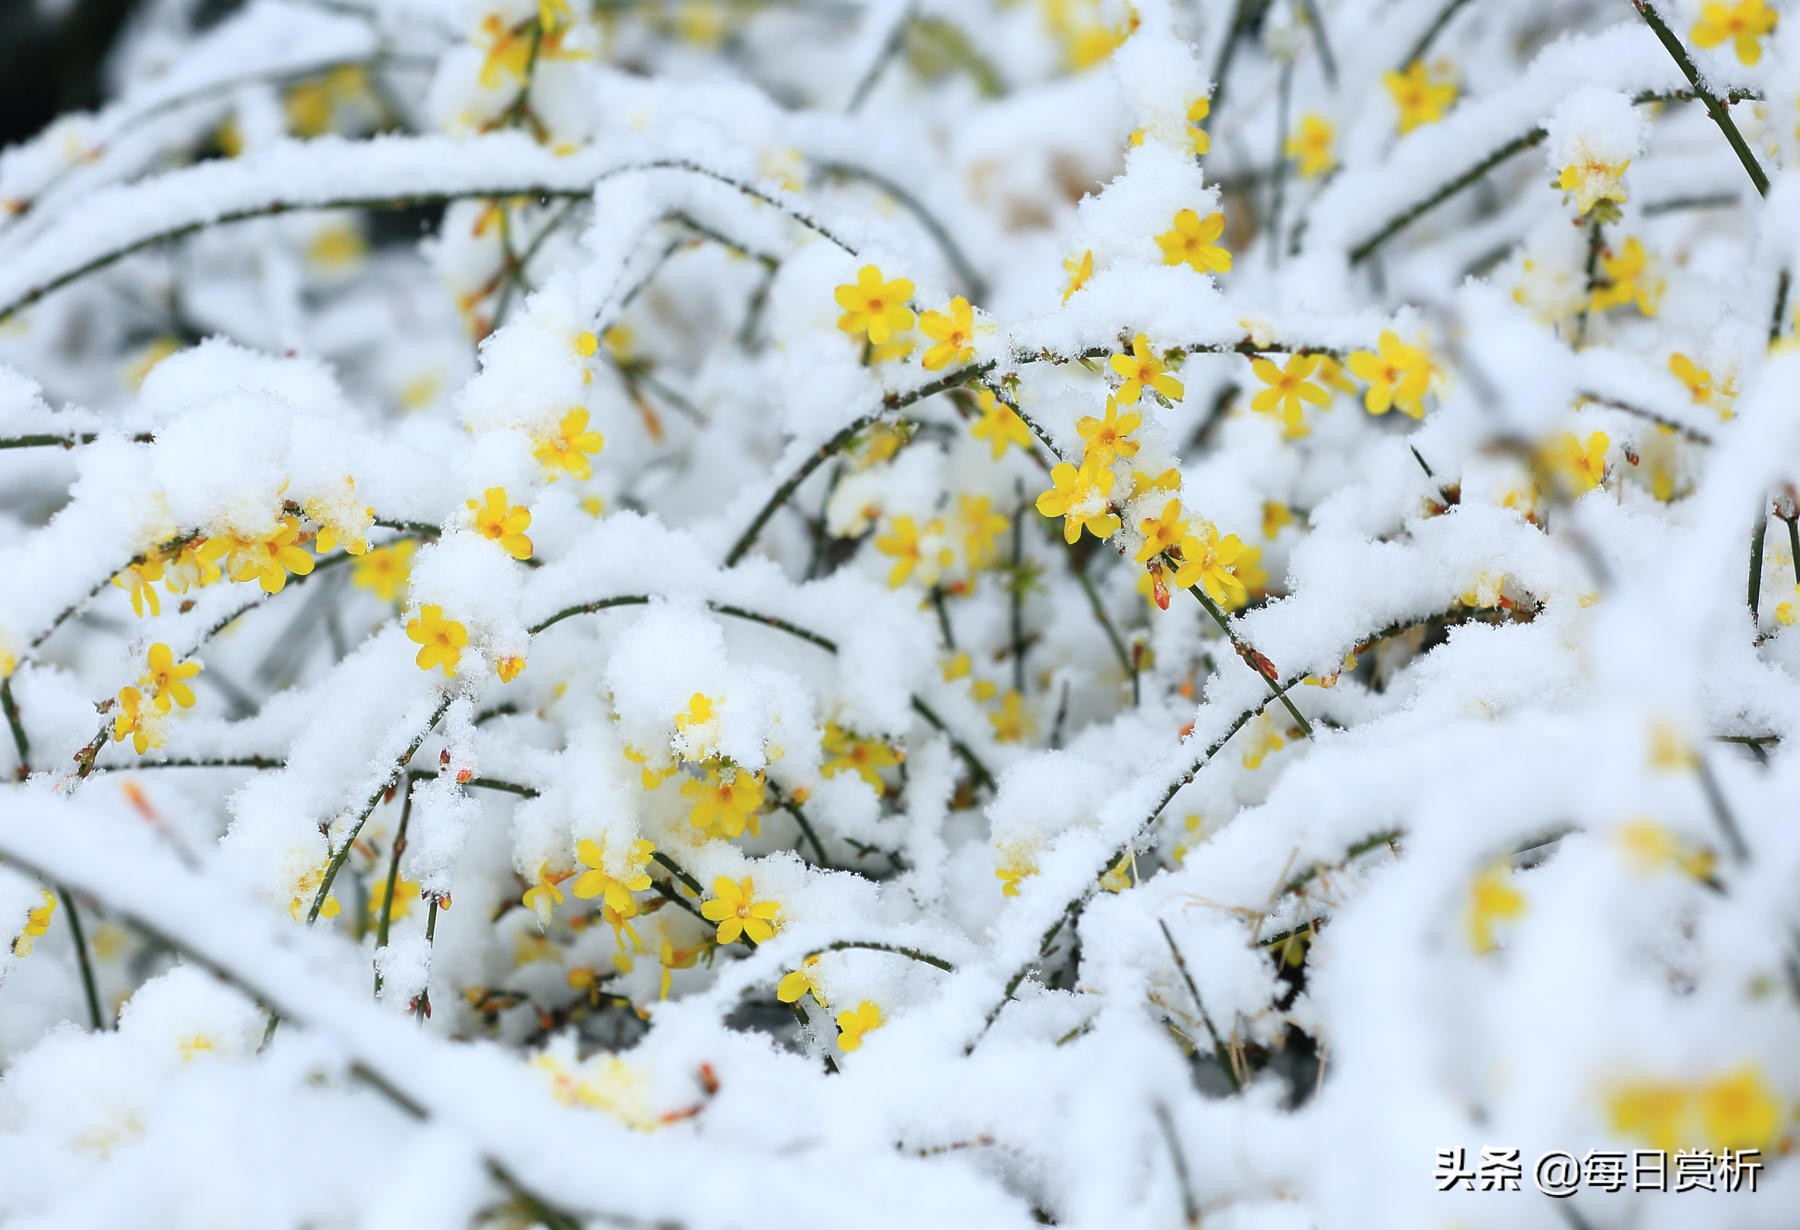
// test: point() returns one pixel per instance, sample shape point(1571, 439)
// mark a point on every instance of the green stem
point(1016, 591)
point(82, 959)
point(393, 878)
point(1431, 33)
point(899, 950)
point(890, 402)
point(1251, 657)
point(1714, 107)
point(394, 778)
point(422, 1009)
point(1106, 625)
point(1224, 1060)
point(962, 749)
point(1316, 23)
point(15, 722)
point(787, 804)
point(1756, 566)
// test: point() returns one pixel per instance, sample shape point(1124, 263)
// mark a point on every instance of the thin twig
point(1714, 107)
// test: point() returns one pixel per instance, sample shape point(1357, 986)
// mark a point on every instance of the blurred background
point(51, 56)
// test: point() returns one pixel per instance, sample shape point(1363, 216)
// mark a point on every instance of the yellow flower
point(405, 893)
point(1650, 847)
point(1197, 112)
point(37, 924)
point(1697, 379)
point(1289, 388)
point(1580, 465)
point(268, 559)
point(1738, 1110)
point(864, 757)
point(132, 718)
point(1492, 899)
point(1162, 533)
point(905, 544)
point(1142, 483)
point(1140, 368)
point(735, 908)
point(856, 1022)
point(1105, 438)
point(999, 425)
point(874, 307)
point(567, 449)
point(544, 895)
point(1311, 145)
point(509, 667)
point(1420, 98)
point(1013, 870)
point(384, 571)
point(1397, 375)
point(305, 889)
point(1266, 739)
point(1211, 562)
point(1744, 23)
point(1192, 242)
point(167, 678)
point(1080, 269)
point(1013, 724)
point(726, 802)
point(1655, 1112)
point(497, 522)
point(954, 333)
point(441, 640)
point(802, 981)
point(1591, 181)
point(1078, 496)
point(190, 570)
point(616, 890)
point(1627, 278)
point(1275, 517)
point(1734, 1110)
point(694, 729)
point(138, 580)
point(980, 527)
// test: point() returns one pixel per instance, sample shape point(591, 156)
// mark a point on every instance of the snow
point(1143, 935)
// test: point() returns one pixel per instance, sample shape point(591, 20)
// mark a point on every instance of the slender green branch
point(1692, 433)
point(1234, 34)
point(962, 749)
point(83, 959)
point(890, 402)
point(64, 441)
point(394, 778)
point(785, 801)
point(1315, 22)
point(890, 47)
point(1714, 107)
point(408, 200)
point(422, 1009)
point(1430, 35)
point(1756, 565)
point(393, 878)
point(679, 872)
point(1106, 625)
point(1420, 208)
point(1016, 591)
point(972, 281)
point(278, 1004)
point(1251, 657)
point(15, 722)
point(899, 950)
point(1219, 1055)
